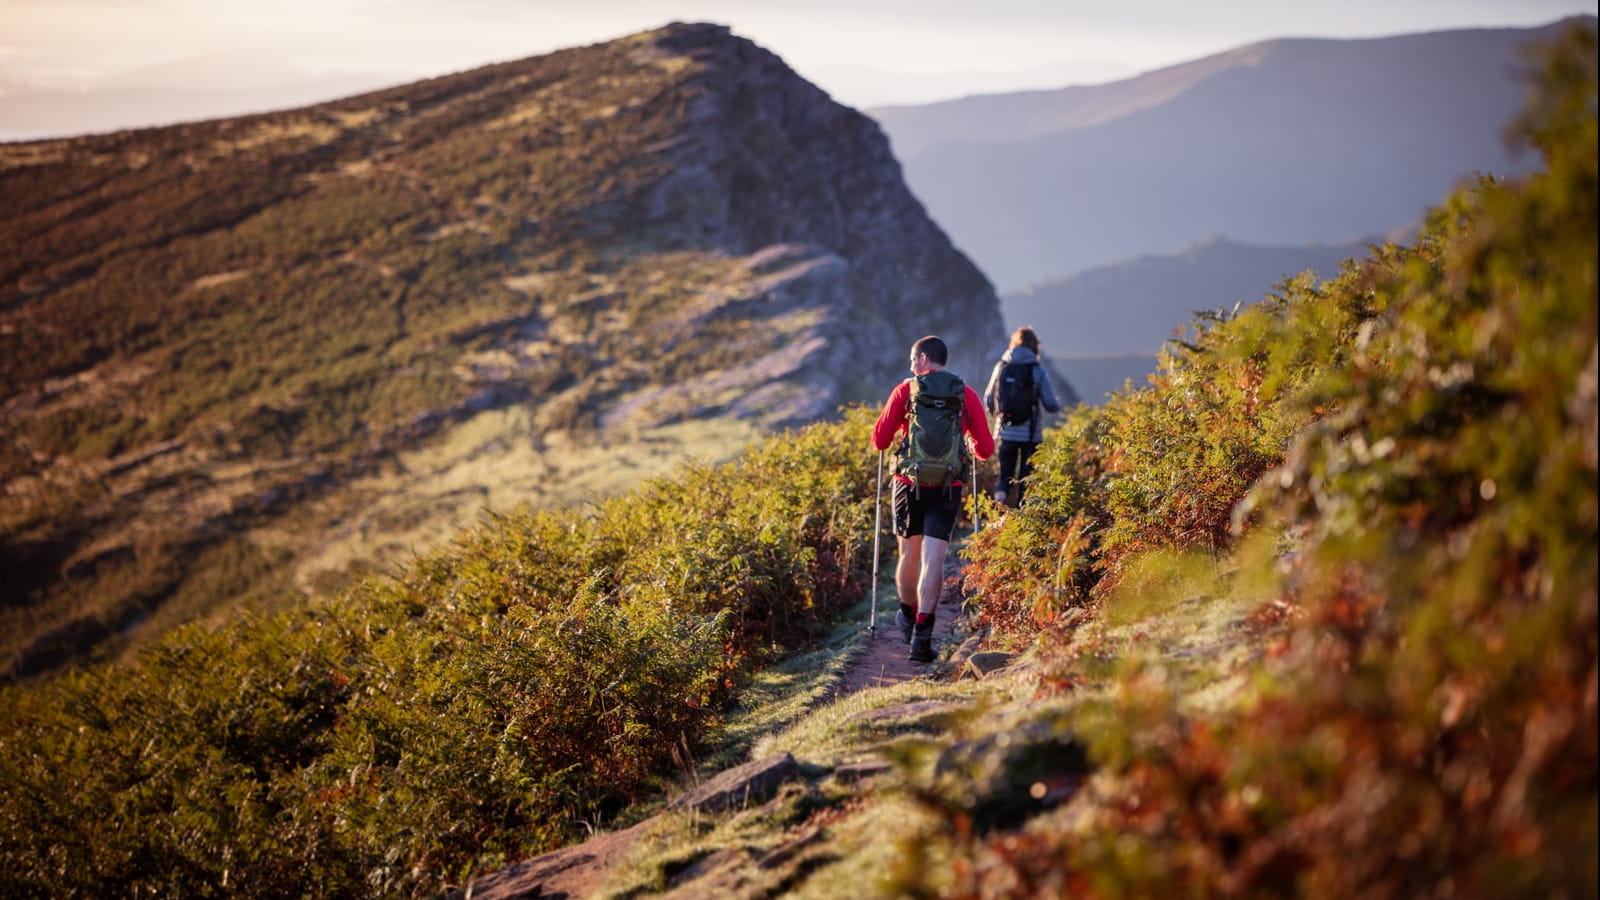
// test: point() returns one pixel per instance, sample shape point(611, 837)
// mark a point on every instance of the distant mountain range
point(1281, 143)
point(1103, 327)
point(243, 357)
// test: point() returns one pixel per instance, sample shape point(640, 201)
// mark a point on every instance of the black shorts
point(929, 511)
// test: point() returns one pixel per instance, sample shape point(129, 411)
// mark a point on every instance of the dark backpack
point(933, 452)
point(1018, 393)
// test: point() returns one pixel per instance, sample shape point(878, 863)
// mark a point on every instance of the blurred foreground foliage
point(1394, 474)
point(482, 706)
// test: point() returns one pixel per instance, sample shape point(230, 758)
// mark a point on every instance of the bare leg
point(932, 580)
point(907, 573)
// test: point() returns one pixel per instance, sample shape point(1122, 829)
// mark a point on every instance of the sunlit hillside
point(250, 358)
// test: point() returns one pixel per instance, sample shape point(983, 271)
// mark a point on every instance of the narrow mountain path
point(884, 659)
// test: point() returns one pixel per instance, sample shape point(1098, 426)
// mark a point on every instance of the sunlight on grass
point(781, 694)
point(495, 462)
point(270, 132)
point(840, 733)
point(1148, 590)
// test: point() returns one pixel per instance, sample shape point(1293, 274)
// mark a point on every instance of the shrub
point(1425, 722)
point(1039, 564)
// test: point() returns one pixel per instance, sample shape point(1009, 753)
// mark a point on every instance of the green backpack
point(933, 452)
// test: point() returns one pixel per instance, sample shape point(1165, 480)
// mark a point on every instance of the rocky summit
point(247, 358)
point(787, 172)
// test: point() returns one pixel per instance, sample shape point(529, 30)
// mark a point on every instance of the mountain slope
point(222, 343)
point(1285, 142)
point(998, 118)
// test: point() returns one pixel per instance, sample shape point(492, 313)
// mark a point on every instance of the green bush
point(1039, 566)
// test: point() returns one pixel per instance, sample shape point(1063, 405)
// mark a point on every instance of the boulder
point(740, 786)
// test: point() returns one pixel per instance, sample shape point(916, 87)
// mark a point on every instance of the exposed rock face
point(779, 165)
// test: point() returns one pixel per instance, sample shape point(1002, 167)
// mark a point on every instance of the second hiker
point(1017, 390)
point(929, 412)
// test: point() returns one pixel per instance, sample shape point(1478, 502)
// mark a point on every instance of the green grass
point(780, 695)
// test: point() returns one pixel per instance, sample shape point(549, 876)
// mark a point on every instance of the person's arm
point(1047, 391)
point(976, 425)
point(892, 420)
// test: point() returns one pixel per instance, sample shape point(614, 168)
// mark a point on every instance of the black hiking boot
point(922, 642)
point(906, 621)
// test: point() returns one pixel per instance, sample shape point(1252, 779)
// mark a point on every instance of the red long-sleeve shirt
point(893, 422)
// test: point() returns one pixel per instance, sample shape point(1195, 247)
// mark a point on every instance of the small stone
point(860, 771)
point(982, 664)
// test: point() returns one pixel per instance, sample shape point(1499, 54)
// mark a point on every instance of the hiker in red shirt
point(929, 413)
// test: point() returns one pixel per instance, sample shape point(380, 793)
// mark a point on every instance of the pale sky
point(863, 52)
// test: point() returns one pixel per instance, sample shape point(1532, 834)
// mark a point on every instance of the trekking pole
point(877, 531)
point(976, 525)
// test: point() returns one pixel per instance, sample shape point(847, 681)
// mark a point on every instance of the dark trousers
point(1015, 465)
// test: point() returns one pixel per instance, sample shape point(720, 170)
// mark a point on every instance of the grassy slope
point(542, 669)
point(223, 344)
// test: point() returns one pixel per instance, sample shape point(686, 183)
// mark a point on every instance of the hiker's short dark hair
point(934, 346)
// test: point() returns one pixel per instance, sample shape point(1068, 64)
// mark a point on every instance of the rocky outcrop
point(739, 786)
point(773, 162)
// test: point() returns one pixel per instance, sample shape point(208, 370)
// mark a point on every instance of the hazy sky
point(863, 52)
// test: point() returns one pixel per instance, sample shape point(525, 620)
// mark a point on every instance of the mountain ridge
point(1012, 114)
point(1106, 325)
point(211, 329)
point(1284, 142)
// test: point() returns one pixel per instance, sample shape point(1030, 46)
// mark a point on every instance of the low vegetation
point(1312, 614)
point(1384, 487)
point(540, 672)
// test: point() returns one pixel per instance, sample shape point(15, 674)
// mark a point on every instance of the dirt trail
point(884, 659)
